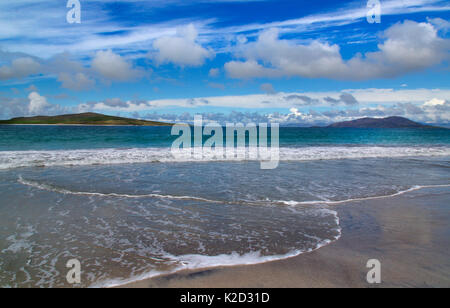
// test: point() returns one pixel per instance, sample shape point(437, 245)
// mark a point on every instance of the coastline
point(407, 233)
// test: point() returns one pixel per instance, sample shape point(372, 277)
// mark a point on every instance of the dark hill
point(391, 122)
point(82, 119)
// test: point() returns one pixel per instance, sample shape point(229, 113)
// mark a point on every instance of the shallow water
point(132, 221)
point(126, 215)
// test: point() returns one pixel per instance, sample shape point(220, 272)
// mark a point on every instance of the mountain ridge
point(389, 122)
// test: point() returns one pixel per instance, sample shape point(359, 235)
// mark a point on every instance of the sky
point(291, 62)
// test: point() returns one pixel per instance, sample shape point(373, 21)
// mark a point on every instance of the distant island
point(105, 120)
point(391, 122)
point(81, 119)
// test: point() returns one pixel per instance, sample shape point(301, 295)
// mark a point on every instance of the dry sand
point(409, 234)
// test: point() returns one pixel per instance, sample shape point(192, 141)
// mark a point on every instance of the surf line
point(248, 202)
point(63, 191)
point(326, 202)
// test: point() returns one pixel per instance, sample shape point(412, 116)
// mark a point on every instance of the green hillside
point(82, 119)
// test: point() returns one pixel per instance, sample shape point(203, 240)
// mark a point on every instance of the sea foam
point(18, 159)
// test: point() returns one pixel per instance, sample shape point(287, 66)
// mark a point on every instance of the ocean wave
point(19, 159)
point(47, 187)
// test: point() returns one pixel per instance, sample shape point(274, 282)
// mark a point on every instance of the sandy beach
point(409, 234)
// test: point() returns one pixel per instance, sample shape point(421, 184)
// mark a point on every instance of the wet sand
point(408, 234)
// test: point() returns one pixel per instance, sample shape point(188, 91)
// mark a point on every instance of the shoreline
point(407, 234)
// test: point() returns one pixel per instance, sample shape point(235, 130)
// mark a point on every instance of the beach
point(115, 200)
point(224, 144)
point(408, 234)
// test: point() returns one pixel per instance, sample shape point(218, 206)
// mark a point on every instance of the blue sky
point(293, 62)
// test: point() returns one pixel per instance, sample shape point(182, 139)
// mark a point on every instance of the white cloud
point(72, 73)
point(440, 24)
point(38, 104)
point(348, 105)
point(435, 102)
point(113, 67)
point(249, 69)
point(76, 82)
point(115, 104)
point(400, 53)
point(33, 105)
point(20, 67)
point(182, 49)
point(19, 20)
point(310, 108)
point(289, 100)
point(295, 116)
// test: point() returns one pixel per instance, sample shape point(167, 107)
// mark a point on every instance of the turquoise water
point(20, 138)
point(115, 199)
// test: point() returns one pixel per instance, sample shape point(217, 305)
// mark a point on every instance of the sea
point(118, 201)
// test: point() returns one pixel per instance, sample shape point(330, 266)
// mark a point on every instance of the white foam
point(327, 202)
point(196, 262)
point(17, 159)
point(47, 187)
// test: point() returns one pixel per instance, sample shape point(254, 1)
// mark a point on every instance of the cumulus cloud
point(311, 109)
point(435, 102)
point(250, 69)
point(398, 54)
point(38, 104)
point(438, 110)
point(114, 67)
point(73, 74)
point(440, 24)
point(77, 82)
point(32, 105)
point(298, 117)
point(20, 67)
point(313, 117)
point(182, 49)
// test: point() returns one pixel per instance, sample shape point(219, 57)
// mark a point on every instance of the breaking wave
point(19, 159)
